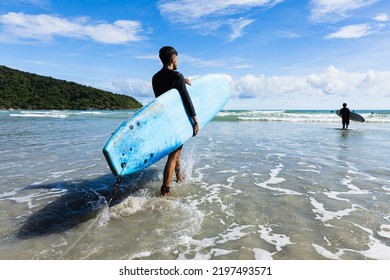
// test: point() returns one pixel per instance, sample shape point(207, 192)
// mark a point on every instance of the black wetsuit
point(344, 112)
point(167, 79)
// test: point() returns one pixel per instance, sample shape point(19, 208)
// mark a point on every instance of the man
point(345, 113)
point(164, 80)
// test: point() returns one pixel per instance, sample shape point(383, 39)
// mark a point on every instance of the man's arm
point(194, 118)
point(187, 102)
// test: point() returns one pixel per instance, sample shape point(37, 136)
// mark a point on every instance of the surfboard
point(163, 125)
point(353, 116)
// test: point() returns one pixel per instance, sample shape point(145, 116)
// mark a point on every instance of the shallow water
point(285, 189)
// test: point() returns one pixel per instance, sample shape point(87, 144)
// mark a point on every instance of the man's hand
point(196, 129)
point(187, 81)
point(195, 126)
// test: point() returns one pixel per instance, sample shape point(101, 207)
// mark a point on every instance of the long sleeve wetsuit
point(345, 114)
point(167, 79)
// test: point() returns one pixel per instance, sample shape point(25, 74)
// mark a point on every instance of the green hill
point(22, 90)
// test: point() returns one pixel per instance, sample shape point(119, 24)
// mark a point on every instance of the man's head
point(344, 105)
point(168, 55)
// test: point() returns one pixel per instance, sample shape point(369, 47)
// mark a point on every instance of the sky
point(280, 54)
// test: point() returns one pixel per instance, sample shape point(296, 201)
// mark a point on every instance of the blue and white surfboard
point(163, 125)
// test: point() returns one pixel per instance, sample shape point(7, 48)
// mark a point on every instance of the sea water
point(285, 185)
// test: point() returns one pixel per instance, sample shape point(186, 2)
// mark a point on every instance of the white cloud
point(183, 58)
point(186, 11)
point(45, 27)
point(288, 34)
point(335, 10)
point(252, 86)
point(198, 62)
point(133, 87)
point(332, 83)
point(149, 57)
point(39, 62)
point(351, 32)
point(238, 27)
point(382, 17)
point(207, 16)
point(41, 3)
point(241, 66)
point(326, 89)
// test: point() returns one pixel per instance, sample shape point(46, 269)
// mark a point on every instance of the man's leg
point(169, 170)
point(179, 177)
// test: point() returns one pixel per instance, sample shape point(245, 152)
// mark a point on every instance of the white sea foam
point(309, 170)
point(233, 171)
point(385, 231)
point(128, 207)
point(41, 114)
point(261, 254)
point(298, 116)
point(32, 200)
point(204, 249)
point(140, 255)
point(220, 252)
point(274, 180)
point(213, 197)
point(212, 192)
point(62, 114)
point(8, 194)
point(328, 254)
point(325, 215)
point(234, 232)
point(376, 249)
point(278, 240)
point(59, 174)
point(353, 190)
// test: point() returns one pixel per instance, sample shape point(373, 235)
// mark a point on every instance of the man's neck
point(170, 66)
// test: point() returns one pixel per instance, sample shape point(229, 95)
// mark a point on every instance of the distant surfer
point(164, 80)
point(345, 115)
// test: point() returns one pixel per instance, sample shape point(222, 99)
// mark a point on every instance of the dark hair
point(166, 54)
point(344, 104)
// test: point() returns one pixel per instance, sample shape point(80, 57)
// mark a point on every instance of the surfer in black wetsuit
point(345, 114)
point(164, 80)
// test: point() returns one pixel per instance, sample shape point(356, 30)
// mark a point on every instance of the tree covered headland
point(22, 90)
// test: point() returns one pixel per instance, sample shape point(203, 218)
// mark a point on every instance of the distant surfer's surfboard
point(163, 125)
point(353, 116)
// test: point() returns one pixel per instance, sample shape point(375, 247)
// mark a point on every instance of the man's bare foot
point(180, 178)
point(165, 191)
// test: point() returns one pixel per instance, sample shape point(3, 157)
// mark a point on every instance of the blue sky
point(281, 54)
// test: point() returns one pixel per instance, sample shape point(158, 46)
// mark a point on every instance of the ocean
point(259, 185)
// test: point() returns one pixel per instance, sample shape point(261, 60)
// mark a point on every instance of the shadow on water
point(82, 201)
